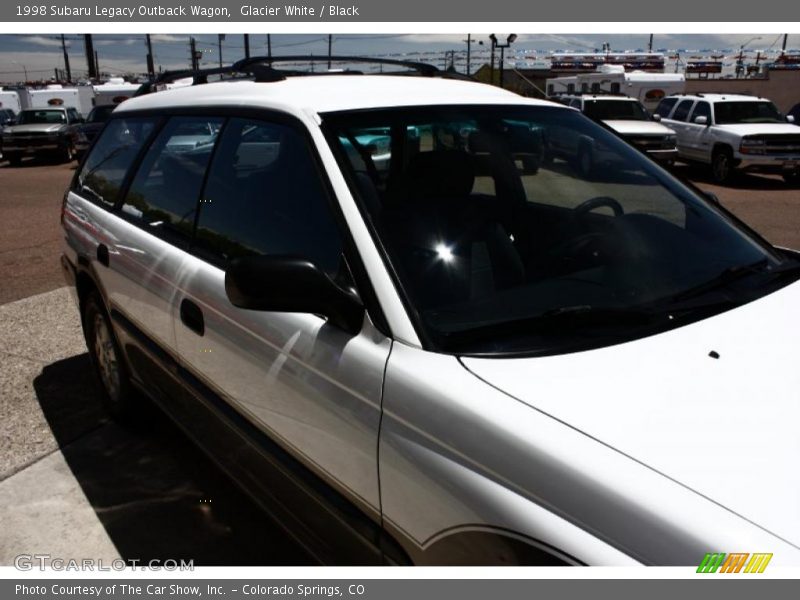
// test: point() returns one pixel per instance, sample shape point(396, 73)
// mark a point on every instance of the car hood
point(639, 127)
point(761, 128)
point(726, 427)
point(37, 128)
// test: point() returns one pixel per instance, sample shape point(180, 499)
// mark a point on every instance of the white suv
point(629, 118)
point(733, 132)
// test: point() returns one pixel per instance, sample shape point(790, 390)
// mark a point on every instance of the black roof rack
point(262, 66)
point(262, 69)
point(198, 76)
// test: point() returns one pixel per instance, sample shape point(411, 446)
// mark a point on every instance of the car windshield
point(100, 114)
point(730, 113)
point(532, 229)
point(30, 117)
point(615, 110)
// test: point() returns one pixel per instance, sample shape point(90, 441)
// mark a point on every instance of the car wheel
point(585, 162)
point(67, 154)
point(113, 380)
point(722, 166)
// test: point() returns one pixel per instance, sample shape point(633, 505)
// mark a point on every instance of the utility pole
point(66, 59)
point(151, 71)
point(193, 53)
point(469, 48)
point(269, 45)
point(783, 48)
point(493, 38)
point(220, 38)
point(330, 45)
point(247, 45)
point(90, 56)
point(96, 63)
point(650, 45)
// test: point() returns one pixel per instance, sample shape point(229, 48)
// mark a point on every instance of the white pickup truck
point(733, 133)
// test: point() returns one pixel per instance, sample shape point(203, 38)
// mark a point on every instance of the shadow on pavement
point(739, 181)
point(155, 493)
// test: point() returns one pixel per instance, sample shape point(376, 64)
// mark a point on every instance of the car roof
point(330, 93)
point(722, 97)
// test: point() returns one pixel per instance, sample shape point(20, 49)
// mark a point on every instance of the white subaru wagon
point(416, 337)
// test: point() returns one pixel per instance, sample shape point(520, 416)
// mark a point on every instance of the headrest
point(440, 175)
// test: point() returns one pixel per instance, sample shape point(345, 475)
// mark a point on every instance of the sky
point(39, 55)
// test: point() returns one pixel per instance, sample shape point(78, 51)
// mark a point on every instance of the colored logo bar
point(735, 562)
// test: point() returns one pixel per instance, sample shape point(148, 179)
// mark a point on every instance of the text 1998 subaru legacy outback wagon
point(414, 341)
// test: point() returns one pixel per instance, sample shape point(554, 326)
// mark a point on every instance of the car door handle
point(192, 316)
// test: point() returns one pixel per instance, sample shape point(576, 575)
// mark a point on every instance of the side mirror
point(789, 119)
point(701, 120)
point(291, 284)
point(711, 197)
point(656, 117)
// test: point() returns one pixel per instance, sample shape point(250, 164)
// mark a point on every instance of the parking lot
point(74, 484)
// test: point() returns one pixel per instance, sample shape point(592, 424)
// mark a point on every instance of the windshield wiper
point(724, 278)
point(558, 320)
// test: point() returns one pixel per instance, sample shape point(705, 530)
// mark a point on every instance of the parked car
point(7, 117)
point(94, 124)
point(42, 131)
point(454, 359)
point(733, 133)
point(628, 117)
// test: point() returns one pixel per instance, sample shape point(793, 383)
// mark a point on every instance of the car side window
point(683, 110)
point(164, 193)
point(112, 156)
point(665, 106)
point(702, 109)
point(265, 196)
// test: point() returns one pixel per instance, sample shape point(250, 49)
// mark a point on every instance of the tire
point(67, 153)
point(112, 375)
point(722, 166)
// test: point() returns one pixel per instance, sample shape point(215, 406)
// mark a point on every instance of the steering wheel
point(597, 202)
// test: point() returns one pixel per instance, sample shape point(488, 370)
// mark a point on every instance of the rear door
point(677, 122)
point(310, 386)
point(157, 219)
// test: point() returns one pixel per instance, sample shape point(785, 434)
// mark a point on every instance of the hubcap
point(106, 357)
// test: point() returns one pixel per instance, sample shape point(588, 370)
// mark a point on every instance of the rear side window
point(164, 193)
point(111, 158)
point(665, 106)
point(264, 196)
point(683, 110)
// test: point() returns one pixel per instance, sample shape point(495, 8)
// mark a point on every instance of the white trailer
point(52, 95)
point(10, 99)
point(114, 91)
point(647, 87)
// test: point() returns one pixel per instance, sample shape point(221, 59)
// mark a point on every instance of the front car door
point(698, 144)
point(313, 388)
